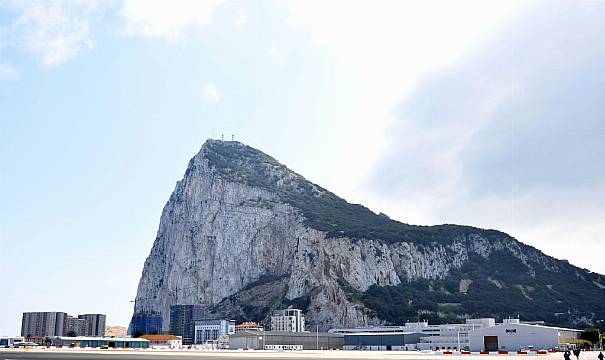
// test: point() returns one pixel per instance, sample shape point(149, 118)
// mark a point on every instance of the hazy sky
point(480, 113)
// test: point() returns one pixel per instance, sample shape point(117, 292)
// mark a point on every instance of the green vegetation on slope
point(322, 209)
point(501, 286)
point(560, 298)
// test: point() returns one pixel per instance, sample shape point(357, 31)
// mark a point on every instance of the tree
point(138, 334)
point(591, 335)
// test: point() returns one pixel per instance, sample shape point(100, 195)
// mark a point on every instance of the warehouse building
point(382, 341)
point(512, 335)
point(275, 340)
point(452, 336)
point(434, 336)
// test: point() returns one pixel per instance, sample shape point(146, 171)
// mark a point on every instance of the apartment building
point(288, 320)
point(42, 324)
point(96, 324)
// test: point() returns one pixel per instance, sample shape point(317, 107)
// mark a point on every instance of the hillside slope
point(245, 235)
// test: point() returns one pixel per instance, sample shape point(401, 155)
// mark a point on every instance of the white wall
point(518, 336)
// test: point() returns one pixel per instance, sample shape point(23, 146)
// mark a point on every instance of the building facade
point(96, 324)
point(42, 324)
point(94, 342)
point(9, 341)
point(182, 321)
point(512, 335)
point(382, 341)
point(433, 337)
point(207, 330)
point(75, 326)
point(274, 340)
point(249, 326)
point(146, 323)
point(288, 320)
point(164, 340)
point(452, 336)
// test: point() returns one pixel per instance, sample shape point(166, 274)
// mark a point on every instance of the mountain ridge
point(341, 262)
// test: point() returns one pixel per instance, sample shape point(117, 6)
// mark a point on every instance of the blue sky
point(473, 113)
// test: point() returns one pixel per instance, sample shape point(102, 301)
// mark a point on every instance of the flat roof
point(283, 333)
point(92, 338)
point(161, 337)
point(551, 327)
point(385, 333)
point(522, 324)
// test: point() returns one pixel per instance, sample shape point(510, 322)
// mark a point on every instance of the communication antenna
point(232, 137)
point(222, 137)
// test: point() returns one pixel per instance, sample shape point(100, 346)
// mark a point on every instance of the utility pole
point(316, 336)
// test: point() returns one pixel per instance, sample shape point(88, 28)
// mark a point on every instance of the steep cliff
point(245, 235)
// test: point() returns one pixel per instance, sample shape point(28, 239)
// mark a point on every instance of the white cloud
point(386, 46)
point(165, 19)
point(210, 93)
point(8, 71)
point(54, 30)
point(242, 17)
point(508, 138)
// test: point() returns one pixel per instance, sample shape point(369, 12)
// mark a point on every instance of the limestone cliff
point(245, 235)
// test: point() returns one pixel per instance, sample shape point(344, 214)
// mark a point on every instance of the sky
point(480, 113)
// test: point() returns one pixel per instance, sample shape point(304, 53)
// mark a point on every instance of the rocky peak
point(245, 235)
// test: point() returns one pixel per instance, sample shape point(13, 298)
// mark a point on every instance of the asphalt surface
point(33, 355)
point(115, 355)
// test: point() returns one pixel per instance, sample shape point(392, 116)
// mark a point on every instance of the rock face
point(244, 235)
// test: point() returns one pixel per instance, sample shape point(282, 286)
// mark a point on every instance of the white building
point(10, 340)
point(452, 336)
point(513, 335)
point(434, 337)
point(408, 327)
point(289, 320)
point(209, 330)
point(164, 341)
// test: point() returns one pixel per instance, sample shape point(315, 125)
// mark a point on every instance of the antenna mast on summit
point(222, 137)
point(232, 137)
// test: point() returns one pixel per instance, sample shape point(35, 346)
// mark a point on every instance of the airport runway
point(113, 355)
point(34, 354)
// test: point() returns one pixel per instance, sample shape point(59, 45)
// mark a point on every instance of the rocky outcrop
point(243, 250)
